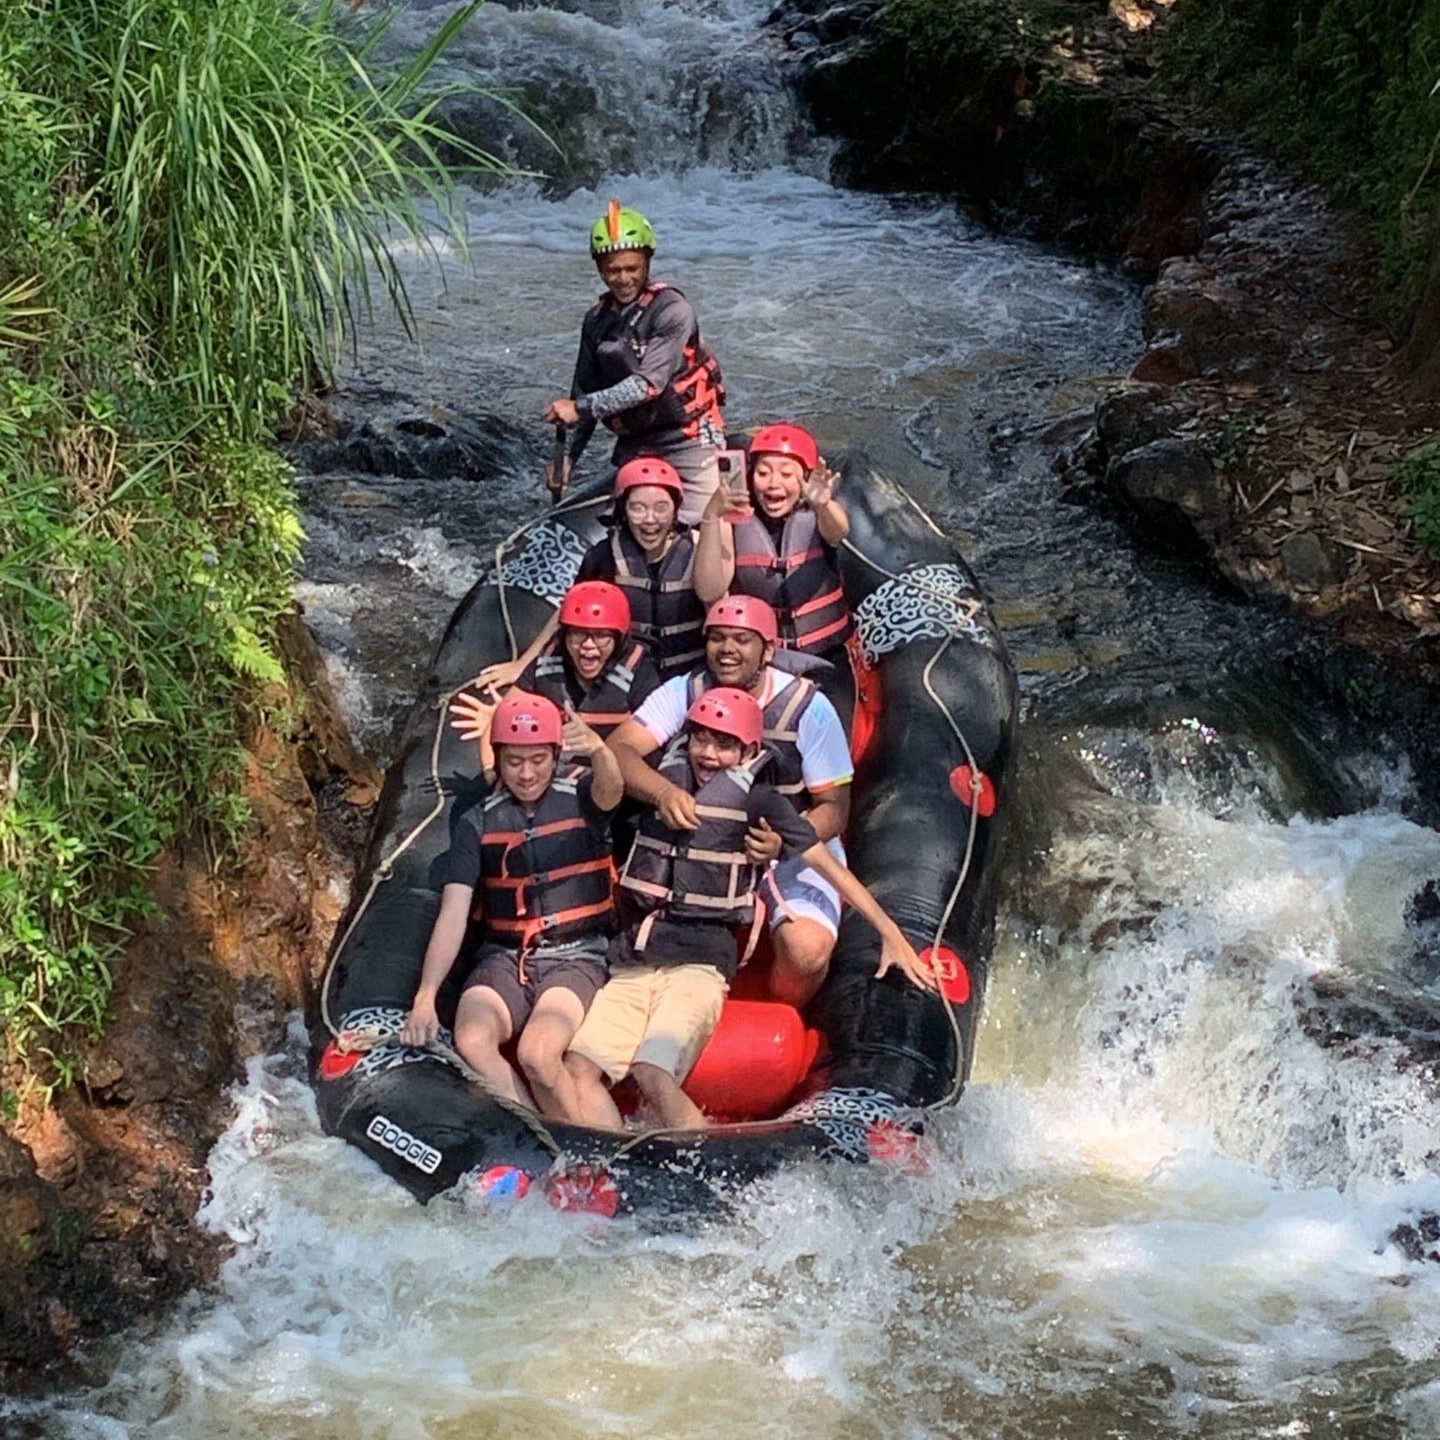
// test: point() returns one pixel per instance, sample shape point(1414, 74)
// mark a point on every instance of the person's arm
point(607, 784)
point(422, 1025)
point(662, 362)
point(632, 743)
point(829, 811)
point(505, 673)
point(714, 570)
point(826, 767)
point(895, 949)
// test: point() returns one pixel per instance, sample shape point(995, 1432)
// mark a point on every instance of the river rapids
point(1201, 1103)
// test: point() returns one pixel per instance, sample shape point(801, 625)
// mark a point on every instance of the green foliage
point(1347, 90)
point(193, 200)
point(942, 36)
point(1418, 475)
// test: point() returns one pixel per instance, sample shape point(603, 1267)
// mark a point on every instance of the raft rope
point(373, 1039)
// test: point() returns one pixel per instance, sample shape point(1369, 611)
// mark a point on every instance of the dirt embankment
point(1261, 430)
point(99, 1192)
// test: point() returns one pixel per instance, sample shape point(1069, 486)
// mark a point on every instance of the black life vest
point(781, 734)
point(699, 874)
point(800, 580)
point(546, 875)
point(606, 703)
point(619, 337)
point(665, 611)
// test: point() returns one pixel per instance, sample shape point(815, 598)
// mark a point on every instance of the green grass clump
point(195, 200)
point(1418, 475)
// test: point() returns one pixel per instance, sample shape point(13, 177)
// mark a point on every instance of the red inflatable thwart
point(950, 970)
point(752, 1064)
point(335, 1062)
point(962, 782)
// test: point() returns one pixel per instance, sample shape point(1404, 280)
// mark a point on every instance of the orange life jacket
point(546, 874)
point(693, 397)
point(799, 579)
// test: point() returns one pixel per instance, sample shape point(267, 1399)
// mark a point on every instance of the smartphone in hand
point(731, 464)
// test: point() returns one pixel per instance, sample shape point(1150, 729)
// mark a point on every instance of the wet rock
point(1136, 414)
point(1418, 1239)
point(1169, 487)
point(411, 443)
point(1195, 317)
point(1310, 563)
point(1422, 919)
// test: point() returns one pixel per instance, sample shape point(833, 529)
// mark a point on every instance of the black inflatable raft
point(930, 705)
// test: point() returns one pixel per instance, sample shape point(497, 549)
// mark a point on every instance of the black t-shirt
point(460, 865)
point(701, 942)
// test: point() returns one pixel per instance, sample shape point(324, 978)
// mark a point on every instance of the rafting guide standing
point(643, 370)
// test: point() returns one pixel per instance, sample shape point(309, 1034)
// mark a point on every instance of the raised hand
point(470, 715)
point(819, 486)
point(762, 843)
point(579, 738)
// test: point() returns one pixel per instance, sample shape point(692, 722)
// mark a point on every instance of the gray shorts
point(803, 894)
point(579, 967)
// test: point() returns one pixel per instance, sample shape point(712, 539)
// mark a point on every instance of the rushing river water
point(1162, 1206)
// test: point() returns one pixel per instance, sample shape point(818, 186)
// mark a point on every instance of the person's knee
point(478, 1033)
point(540, 1055)
point(804, 946)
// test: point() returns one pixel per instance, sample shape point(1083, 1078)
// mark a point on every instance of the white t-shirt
point(824, 751)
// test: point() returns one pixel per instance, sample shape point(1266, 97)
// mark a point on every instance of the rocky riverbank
point(1261, 429)
point(99, 1192)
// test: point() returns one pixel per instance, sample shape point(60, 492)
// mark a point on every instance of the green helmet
point(619, 229)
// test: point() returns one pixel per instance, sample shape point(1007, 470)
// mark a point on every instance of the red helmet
point(745, 612)
point(522, 719)
point(650, 470)
point(728, 711)
point(786, 440)
point(596, 605)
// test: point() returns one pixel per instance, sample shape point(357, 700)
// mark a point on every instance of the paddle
point(555, 480)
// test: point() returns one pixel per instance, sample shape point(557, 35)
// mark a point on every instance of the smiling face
point(711, 752)
point(525, 770)
point(650, 517)
point(589, 652)
point(625, 273)
point(776, 482)
point(736, 656)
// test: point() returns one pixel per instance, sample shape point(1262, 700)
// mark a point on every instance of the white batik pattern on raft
point(847, 1116)
point(387, 1054)
point(929, 600)
point(547, 564)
